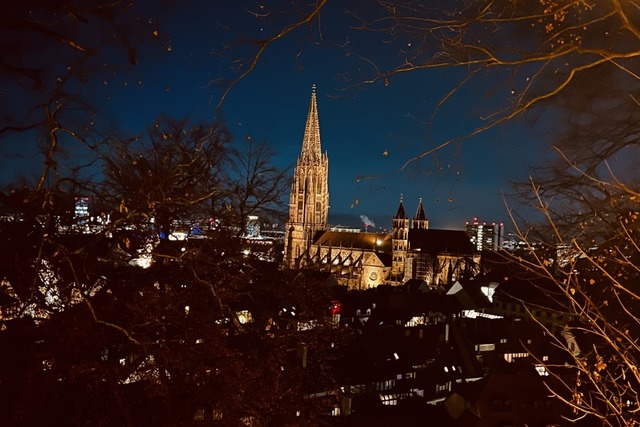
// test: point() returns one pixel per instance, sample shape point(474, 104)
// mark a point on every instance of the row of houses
point(447, 354)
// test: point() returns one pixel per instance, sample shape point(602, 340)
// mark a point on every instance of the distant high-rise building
point(253, 227)
point(81, 211)
point(484, 235)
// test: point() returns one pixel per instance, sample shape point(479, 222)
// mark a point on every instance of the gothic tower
point(420, 221)
point(400, 243)
point(309, 199)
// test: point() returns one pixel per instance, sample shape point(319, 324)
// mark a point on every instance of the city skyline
point(148, 277)
point(369, 133)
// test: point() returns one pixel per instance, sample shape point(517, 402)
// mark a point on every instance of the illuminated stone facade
point(309, 199)
point(364, 260)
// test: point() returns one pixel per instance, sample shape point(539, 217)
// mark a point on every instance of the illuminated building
point(81, 208)
point(309, 199)
point(253, 227)
point(485, 236)
point(435, 256)
point(364, 260)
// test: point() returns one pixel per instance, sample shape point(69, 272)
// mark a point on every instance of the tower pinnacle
point(309, 198)
point(420, 216)
point(400, 214)
point(311, 149)
point(420, 220)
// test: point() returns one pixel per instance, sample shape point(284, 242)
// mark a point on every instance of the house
point(504, 400)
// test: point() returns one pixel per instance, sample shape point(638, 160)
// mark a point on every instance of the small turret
point(420, 221)
point(400, 242)
point(400, 214)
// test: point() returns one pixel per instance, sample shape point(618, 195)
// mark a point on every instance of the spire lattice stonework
point(311, 150)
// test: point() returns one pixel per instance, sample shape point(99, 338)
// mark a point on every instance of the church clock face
point(373, 275)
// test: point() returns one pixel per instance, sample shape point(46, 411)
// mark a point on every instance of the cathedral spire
point(400, 214)
point(311, 150)
point(309, 198)
point(420, 220)
point(420, 216)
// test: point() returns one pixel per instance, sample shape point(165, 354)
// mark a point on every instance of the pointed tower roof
point(400, 214)
point(311, 150)
point(420, 216)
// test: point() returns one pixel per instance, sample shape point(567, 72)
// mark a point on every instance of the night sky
point(369, 131)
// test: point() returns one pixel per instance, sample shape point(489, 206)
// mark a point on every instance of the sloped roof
point(519, 392)
point(440, 241)
point(400, 214)
point(420, 216)
point(417, 285)
point(470, 291)
point(379, 242)
point(385, 258)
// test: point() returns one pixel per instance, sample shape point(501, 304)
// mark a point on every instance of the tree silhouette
point(175, 172)
point(105, 320)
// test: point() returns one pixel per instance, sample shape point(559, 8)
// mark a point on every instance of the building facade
point(309, 198)
point(363, 260)
point(485, 236)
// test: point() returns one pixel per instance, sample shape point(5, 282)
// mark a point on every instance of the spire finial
point(400, 214)
point(420, 216)
point(311, 150)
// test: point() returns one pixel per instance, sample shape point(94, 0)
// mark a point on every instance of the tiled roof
point(380, 242)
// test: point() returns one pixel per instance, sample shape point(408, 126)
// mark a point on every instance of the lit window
point(199, 415)
point(217, 414)
point(389, 399)
point(542, 370)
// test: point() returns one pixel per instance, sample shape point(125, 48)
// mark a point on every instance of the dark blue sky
point(358, 126)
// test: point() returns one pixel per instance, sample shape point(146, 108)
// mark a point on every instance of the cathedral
point(365, 260)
